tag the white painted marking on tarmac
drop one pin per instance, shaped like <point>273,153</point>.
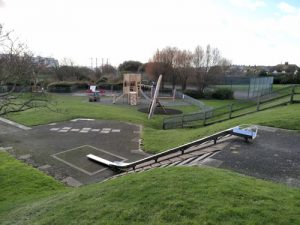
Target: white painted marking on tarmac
<point>115,130</point>
<point>83,131</point>
<point>104,131</point>
<point>82,119</point>
<point>75,130</point>
<point>81,169</point>
<point>63,131</point>
<point>95,130</point>
<point>14,124</point>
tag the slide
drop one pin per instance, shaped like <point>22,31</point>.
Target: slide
<point>145,96</point>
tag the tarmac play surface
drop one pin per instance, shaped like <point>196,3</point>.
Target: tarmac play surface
<point>60,149</point>
<point>274,155</point>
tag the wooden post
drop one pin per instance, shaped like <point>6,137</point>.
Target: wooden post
<point>204,119</point>
<point>258,103</point>
<point>230,113</point>
<point>292,94</point>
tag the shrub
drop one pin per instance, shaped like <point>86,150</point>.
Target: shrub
<point>287,79</point>
<point>223,93</point>
<point>102,80</point>
<point>194,94</point>
<point>66,87</point>
<point>108,86</point>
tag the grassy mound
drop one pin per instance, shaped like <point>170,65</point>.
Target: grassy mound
<point>168,196</point>
<point>20,183</point>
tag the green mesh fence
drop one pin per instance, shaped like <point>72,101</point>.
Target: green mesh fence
<point>246,87</point>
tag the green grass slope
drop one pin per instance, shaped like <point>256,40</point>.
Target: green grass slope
<point>168,196</point>
<point>20,183</point>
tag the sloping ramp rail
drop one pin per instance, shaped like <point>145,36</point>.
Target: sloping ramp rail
<point>245,131</point>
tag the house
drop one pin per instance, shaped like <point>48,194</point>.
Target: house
<point>285,68</point>
<point>46,62</point>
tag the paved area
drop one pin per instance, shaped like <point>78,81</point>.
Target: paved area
<point>274,155</point>
<point>60,149</point>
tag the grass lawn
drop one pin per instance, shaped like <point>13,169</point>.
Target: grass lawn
<point>154,138</point>
<point>186,195</point>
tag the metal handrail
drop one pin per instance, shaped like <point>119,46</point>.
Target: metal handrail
<point>182,148</point>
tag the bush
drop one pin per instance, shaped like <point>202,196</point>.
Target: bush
<point>107,86</point>
<point>222,93</point>
<point>102,80</point>
<point>194,94</point>
<point>287,79</point>
<point>67,87</point>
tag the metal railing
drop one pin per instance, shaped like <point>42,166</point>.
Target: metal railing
<point>181,149</point>
<point>192,101</point>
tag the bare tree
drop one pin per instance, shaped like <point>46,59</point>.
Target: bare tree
<point>183,66</point>
<point>166,57</point>
<point>208,65</point>
<point>16,73</point>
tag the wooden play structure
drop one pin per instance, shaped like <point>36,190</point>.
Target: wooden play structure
<point>132,89</point>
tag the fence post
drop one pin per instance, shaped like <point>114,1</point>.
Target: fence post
<point>182,121</point>
<point>230,112</point>
<point>258,103</point>
<point>292,94</point>
<point>204,120</point>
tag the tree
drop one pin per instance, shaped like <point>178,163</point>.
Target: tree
<point>208,65</point>
<point>108,69</point>
<point>16,73</point>
<point>130,66</point>
<point>154,69</point>
<point>183,66</point>
<point>68,71</point>
<point>167,58</point>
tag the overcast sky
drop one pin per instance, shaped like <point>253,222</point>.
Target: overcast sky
<point>256,32</point>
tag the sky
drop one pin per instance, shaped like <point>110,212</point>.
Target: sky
<point>248,32</point>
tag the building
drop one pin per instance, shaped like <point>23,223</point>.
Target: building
<point>46,62</point>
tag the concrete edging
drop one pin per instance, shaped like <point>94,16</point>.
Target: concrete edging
<point>12,123</point>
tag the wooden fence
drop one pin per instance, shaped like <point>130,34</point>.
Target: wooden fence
<point>283,96</point>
